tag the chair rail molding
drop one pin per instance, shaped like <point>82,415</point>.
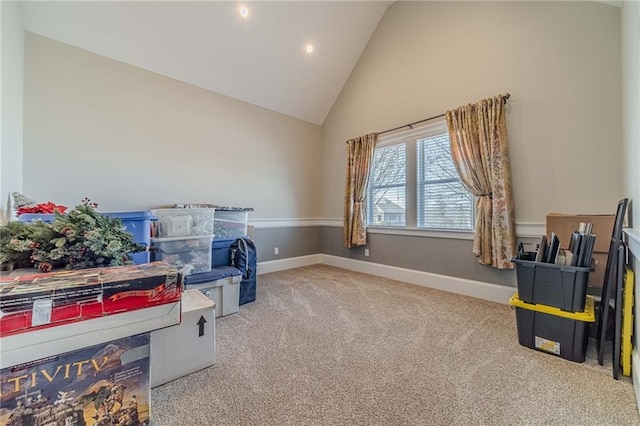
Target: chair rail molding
<point>523,229</point>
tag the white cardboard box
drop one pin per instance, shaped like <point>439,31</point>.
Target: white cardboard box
<point>188,347</point>
<point>38,344</point>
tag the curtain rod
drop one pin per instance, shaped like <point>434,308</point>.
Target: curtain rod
<point>410,125</point>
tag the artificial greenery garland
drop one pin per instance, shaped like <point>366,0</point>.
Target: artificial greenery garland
<point>78,240</point>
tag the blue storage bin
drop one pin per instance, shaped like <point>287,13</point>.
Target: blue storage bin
<point>30,217</point>
<point>138,224</point>
<point>221,252</point>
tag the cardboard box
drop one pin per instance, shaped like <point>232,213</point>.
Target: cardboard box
<point>44,342</point>
<point>188,347</point>
<point>46,300</point>
<point>596,277</point>
<point>101,384</point>
<point>564,225</point>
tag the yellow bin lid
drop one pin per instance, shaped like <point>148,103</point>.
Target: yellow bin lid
<point>589,314</point>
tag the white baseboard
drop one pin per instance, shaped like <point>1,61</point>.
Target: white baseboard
<point>478,289</point>
<point>289,263</point>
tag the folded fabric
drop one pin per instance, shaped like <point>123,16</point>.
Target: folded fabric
<point>20,200</point>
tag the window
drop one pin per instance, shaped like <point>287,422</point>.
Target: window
<point>414,183</point>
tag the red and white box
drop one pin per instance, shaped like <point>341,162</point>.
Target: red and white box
<point>34,302</point>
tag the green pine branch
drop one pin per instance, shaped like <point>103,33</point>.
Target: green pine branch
<point>81,239</point>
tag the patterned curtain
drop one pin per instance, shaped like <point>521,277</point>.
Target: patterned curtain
<point>480,151</point>
<point>359,159</point>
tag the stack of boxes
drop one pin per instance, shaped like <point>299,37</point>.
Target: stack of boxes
<point>553,310</point>
<point>69,334</point>
<point>222,283</point>
<point>198,239</point>
<point>184,238</point>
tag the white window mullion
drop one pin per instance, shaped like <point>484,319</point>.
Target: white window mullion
<point>411,186</point>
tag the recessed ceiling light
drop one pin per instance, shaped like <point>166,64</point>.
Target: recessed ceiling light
<point>244,11</point>
<point>309,48</point>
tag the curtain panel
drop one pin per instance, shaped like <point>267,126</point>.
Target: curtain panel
<point>359,158</point>
<point>480,151</point>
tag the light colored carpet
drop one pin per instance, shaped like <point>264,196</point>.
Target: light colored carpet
<point>326,346</point>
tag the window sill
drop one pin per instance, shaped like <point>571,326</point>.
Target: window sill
<point>415,232</point>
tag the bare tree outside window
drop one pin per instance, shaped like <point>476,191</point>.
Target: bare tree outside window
<point>386,198</point>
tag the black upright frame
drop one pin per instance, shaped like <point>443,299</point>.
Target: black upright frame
<point>610,279</point>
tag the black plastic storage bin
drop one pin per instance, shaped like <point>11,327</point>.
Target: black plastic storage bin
<point>559,286</point>
<point>553,330</point>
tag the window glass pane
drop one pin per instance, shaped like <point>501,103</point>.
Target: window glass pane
<point>443,202</point>
<point>386,197</point>
<point>389,166</point>
<point>388,207</point>
<point>447,206</point>
<point>437,158</point>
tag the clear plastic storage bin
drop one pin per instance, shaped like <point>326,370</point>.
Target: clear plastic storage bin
<point>184,222</point>
<point>230,224</point>
<point>192,253</point>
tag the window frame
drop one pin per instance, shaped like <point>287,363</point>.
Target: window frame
<point>410,139</point>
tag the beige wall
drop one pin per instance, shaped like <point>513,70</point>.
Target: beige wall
<point>130,139</point>
<point>559,60</point>
<point>631,105</point>
<point>12,102</point>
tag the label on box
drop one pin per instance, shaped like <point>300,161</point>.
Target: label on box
<point>547,345</point>
<point>41,312</point>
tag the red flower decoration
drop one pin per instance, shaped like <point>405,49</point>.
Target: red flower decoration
<point>43,208</point>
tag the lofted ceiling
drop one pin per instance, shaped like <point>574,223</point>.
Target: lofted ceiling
<point>260,59</point>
